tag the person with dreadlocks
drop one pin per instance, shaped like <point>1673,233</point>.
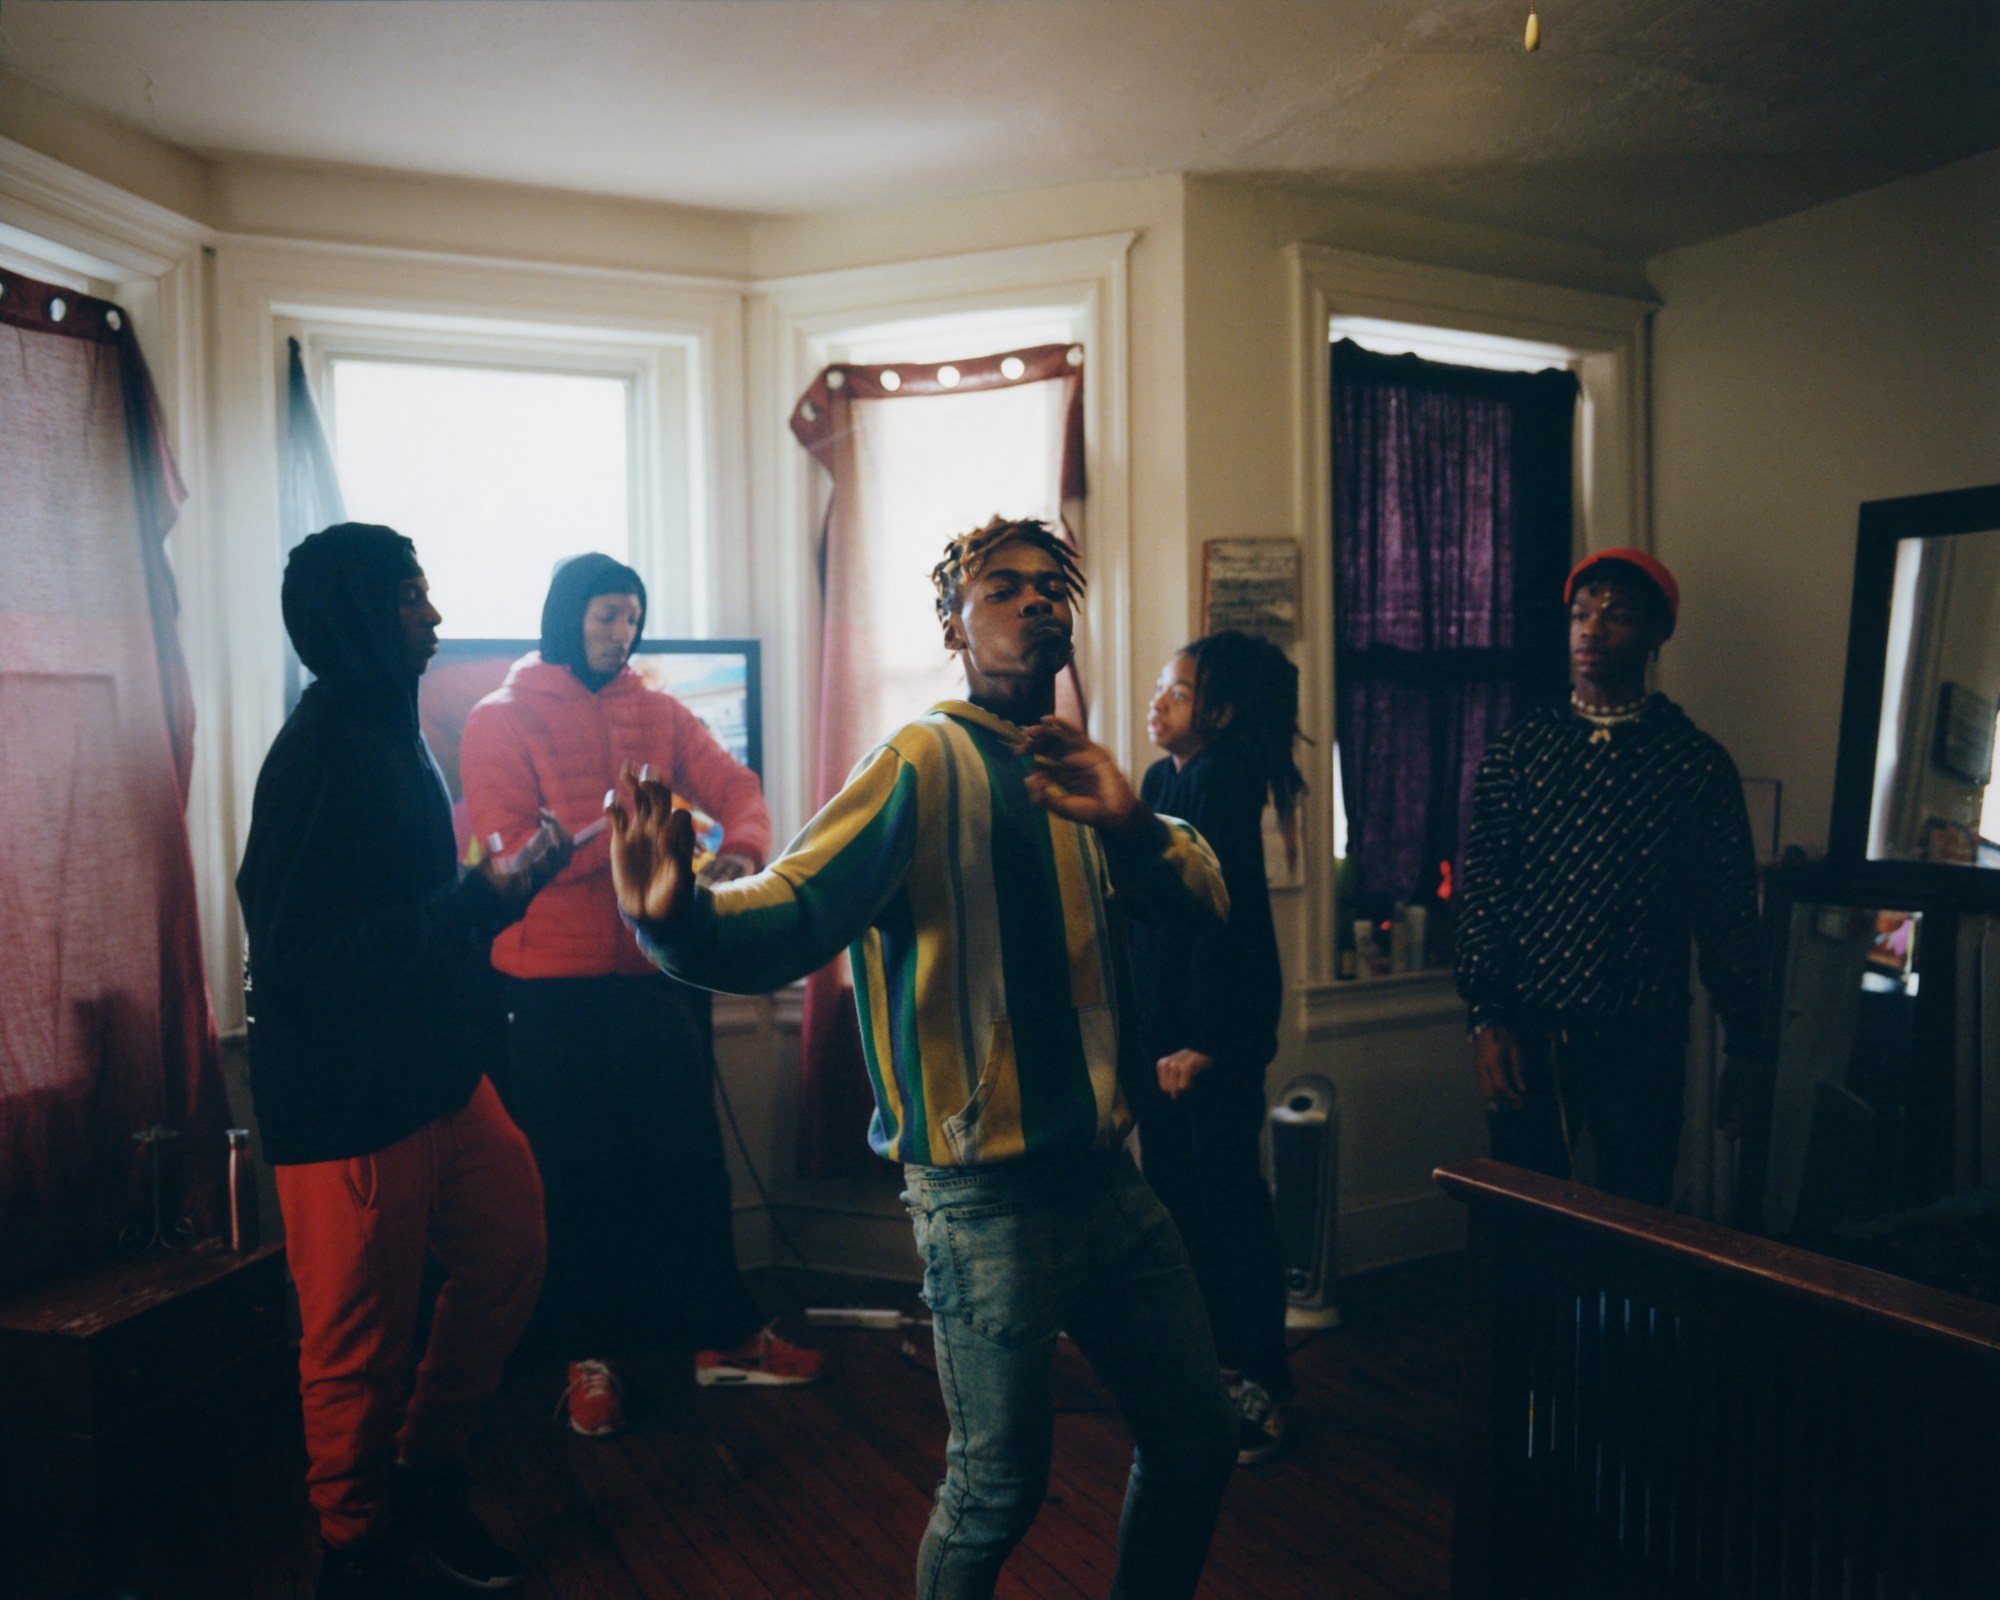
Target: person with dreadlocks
<point>977,866</point>
<point>1225,711</point>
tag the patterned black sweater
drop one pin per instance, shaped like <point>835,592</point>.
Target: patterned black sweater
<point>1589,863</point>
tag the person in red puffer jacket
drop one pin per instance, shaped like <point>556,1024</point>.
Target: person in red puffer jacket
<point>610,1063</point>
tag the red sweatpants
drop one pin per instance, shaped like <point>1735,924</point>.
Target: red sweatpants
<point>462,1188</point>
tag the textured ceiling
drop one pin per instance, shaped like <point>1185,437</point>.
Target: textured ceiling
<point>1639,125</point>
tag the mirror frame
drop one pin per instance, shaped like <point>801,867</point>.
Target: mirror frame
<point>1884,524</point>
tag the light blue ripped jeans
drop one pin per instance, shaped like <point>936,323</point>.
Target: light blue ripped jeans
<point>1014,1254</point>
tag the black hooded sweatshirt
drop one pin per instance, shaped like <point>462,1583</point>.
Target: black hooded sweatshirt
<point>367,986</point>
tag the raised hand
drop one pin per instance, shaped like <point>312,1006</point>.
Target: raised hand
<point>519,877</point>
<point>652,850</point>
<point>1077,780</point>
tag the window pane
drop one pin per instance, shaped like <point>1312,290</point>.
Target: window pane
<point>495,474</point>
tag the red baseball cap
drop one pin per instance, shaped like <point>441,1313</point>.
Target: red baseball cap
<point>1663,580</point>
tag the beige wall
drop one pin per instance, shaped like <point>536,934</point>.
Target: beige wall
<point>1801,368</point>
<point>1395,1053</point>
<point>162,173</point>
<point>492,220</point>
<point>394,210</point>
<point>1849,353</point>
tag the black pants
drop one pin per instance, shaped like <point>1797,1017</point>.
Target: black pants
<point>1202,1158</point>
<point>613,1081</point>
<point>1621,1079</point>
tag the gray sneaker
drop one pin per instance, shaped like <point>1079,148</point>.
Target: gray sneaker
<point>1260,1424</point>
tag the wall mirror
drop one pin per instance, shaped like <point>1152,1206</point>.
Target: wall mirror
<point>1915,801</point>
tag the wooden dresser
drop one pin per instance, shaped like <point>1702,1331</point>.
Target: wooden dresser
<point>139,1366</point>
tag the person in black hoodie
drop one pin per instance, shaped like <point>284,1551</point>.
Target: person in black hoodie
<point>367,961</point>
<point>1226,712</point>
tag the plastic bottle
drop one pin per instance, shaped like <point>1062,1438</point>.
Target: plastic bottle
<point>242,1193</point>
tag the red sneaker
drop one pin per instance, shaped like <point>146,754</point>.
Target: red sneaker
<point>595,1400</point>
<point>765,1361</point>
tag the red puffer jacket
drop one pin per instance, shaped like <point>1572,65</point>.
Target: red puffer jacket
<point>543,739</point>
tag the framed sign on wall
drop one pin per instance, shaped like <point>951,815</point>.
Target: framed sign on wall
<point>1251,585</point>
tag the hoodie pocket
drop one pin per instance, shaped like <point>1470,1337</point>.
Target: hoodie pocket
<point>964,1131</point>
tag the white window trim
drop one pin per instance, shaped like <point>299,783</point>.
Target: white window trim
<point>1608,334</point>
<point>795,323</point>
<point>665,491</point>
<point>262,282</point>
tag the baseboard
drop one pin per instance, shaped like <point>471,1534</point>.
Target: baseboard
<point>878,1245</point>
<point>843,1239</point>
<point>1385,1232</point>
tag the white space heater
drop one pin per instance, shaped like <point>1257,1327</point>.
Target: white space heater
<point>1305,1185</point>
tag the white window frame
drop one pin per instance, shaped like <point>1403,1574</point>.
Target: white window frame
<point>405,298</point>
<point>800,324</point>
<point>664,488</point>
<point>1606,335</point>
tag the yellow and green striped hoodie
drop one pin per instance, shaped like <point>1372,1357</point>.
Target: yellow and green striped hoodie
<point>985,936</point>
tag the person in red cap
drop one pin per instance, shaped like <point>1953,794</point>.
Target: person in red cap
<point>1603,834</point>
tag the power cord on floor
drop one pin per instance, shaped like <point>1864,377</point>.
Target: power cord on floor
<point>756,1177</point>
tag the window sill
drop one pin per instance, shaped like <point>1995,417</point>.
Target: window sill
<point>745,1013</point>
<point>1373,1005</point>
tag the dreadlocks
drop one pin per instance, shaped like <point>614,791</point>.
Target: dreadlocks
<point>1246,701</point>
<point>968,553</point>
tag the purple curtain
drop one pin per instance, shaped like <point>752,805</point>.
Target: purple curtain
<point>1451,539</point>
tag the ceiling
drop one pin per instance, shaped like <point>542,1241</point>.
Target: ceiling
<point>1638,126</point>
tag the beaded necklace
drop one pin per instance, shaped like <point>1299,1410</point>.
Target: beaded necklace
<point>1607,717</point>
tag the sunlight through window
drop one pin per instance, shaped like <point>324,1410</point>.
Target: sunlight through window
<point>495,473</point>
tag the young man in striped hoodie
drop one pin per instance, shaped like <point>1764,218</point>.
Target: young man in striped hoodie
<point>978,866</point>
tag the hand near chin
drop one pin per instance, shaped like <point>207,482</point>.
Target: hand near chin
<point>1077,779</point>
<point>652,850</point>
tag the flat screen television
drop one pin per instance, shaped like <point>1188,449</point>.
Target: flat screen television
<point>719,680</point>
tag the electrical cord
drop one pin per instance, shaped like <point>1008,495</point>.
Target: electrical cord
<point>757,1178</point>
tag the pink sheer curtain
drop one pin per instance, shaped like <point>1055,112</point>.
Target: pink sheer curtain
<point>105,1026</point>
<point>917,453</point>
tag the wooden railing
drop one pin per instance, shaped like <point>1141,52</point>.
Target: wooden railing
<point>1657,1406</point>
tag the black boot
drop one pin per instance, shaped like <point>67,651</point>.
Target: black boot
<point>431,1514</point>
<point>378,1568</point>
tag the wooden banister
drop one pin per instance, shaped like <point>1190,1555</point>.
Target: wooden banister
<point>1658,1406</point>
<point>1839,1287</point>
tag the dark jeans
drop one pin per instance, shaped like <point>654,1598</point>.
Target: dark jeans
<point>1620,1078</point>
<point>1203,1157</point>
<point>1014,1255</point>
<point>613,1082</point>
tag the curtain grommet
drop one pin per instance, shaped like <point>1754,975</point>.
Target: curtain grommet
<point>892,380</point>
<point>1074,355</point>
<point>1012,368</point>
<point>58,309</point>
<point>808,411</point>
<point>113,320</point>
<point>948,376</point>
<point>835,378</point>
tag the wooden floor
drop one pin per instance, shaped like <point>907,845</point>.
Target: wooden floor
<point>824,1491</point>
